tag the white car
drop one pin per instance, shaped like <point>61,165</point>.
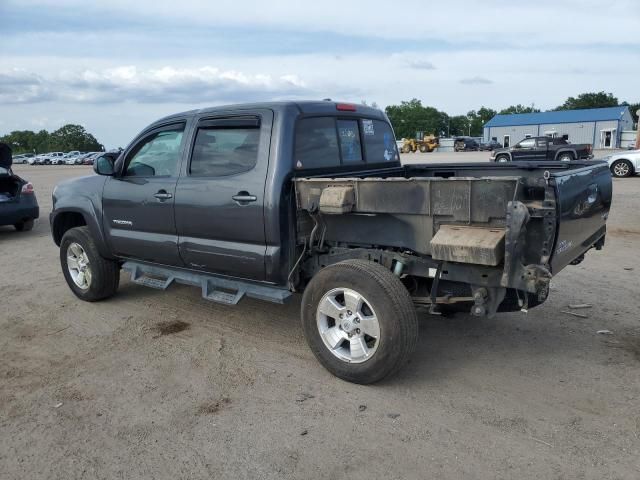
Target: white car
<point>624,164</point>
<point>57,158</point>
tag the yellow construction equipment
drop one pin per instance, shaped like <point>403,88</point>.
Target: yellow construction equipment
<point>428,144</point>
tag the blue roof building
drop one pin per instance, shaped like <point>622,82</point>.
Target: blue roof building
<point>600,127</point>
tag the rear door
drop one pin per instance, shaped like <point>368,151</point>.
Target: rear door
<point>584,198</point>
<point>138,204</point>
<point>543,149</point>
<point>220,195</point>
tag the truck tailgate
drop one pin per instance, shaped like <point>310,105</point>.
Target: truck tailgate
<point>583,199</point>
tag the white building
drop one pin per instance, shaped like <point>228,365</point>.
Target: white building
<point>601,127</point>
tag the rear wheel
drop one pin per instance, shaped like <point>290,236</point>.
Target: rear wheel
<point>24,226</point>
<point>359,321</point>
<point>621,168</point>
<point>424,148</point>
<point>565,157</point>
<point>90,276</point>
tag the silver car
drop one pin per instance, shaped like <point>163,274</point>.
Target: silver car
<point>624,164</point>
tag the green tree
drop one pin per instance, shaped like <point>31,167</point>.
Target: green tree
<point>411,116</point>
<point>589,100</point>
<point>477,119</point>
<point>70,137</point>
<point>74,137</point>
<point>519,109</point>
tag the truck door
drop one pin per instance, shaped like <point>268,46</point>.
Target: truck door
<point>524,150</point>
<point>220,195</point>
<point>138,204</point>
<point>542,150</point>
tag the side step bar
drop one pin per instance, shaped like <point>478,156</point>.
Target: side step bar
<point>214,288</point>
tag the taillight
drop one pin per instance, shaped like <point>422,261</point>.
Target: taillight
<point>27,188</point>
<point>345,107</point>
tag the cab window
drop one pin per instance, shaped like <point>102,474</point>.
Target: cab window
<point>157,155</point>
<point>528,143</point>
<point>316,143</point>
<point>223,151</point>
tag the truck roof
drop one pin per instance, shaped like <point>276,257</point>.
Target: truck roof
<point>303,106</point>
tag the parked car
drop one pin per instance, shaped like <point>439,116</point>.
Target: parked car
<point>18,203</point>
<point>23,158</point>
<point>51,158</point>
<point>490,146</point>
<point>466,144</point>
<point>263,200</point>
<point>89,159</point>
<point>57,158</point>
<point>543,148</point>
<point>624,164</point>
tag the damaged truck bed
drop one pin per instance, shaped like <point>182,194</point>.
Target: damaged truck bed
<point>488,240</point>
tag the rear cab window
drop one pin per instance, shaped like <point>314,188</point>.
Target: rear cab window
<point>330,141</point>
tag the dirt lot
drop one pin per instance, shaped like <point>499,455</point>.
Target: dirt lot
<point>167,385</point>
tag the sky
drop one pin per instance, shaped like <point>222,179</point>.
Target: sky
<point>115,66</point>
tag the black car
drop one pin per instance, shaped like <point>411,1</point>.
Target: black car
<point>466,144</point>
<point>18,204</point>
<point>490,146</point>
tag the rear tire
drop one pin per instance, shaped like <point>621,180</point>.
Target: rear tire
<point>621,168</point>
<point>24,226</point>
<point>565,157</point>
<point>104,274</point>
<point>423,149</point>
<point>383,298</point>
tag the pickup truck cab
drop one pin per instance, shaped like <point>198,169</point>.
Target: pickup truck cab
<point>543,148</point>
<point>264,200</point>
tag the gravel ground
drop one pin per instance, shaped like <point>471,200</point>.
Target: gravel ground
<point>167,385</point>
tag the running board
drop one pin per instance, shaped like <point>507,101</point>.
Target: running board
<point>214,288</point>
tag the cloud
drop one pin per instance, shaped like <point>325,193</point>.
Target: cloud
<point>421,64</point>
<point>20,86</point>
<point>477,80</point>
<point>154,85</point>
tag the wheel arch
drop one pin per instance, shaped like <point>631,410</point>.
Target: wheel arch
<point>65,219</point>
<point>573,153</point>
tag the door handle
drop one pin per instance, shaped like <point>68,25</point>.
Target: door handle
<point>243,198</point>
<point>162,195</point>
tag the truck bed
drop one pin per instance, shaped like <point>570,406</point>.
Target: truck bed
<point>485,225</point>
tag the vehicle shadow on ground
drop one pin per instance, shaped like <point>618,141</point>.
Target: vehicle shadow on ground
<point>446,344</point>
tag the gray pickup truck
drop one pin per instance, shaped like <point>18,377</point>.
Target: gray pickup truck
<point>265,200</point>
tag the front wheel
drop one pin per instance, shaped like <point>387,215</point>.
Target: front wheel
<point>502,158</point>
<point>359,321</point>
<point>621,168</point>
<point>90,276</point>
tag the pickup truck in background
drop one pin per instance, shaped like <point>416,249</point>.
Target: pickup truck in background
<point>543,148</point>
<point>264,200</point>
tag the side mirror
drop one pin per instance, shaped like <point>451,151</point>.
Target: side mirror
<point>104,165</point>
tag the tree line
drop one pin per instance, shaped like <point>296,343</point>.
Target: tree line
<point>65,139</point>
<point>411,116</point>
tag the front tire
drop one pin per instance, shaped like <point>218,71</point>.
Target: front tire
<point>90,276</point>
<point>621,168</point>
<point>359,321</point>
<point>502,158</point>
